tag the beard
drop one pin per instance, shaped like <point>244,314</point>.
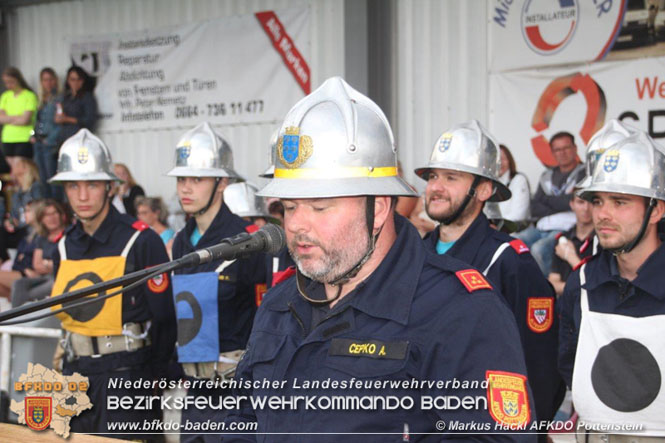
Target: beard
<point>335,258</point>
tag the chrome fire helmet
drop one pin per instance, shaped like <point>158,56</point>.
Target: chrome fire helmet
<point>83,156</point>
<point>335,142</point>
<point>242,200</point>
<point>202,152</point>
<point>469,147</point>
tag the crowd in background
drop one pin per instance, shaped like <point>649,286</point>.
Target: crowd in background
<point>34,125</point>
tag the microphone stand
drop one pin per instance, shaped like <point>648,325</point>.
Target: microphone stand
<point>93,289</point>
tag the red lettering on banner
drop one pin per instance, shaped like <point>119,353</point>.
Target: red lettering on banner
<point>284,45</point>
<point>649,88</point>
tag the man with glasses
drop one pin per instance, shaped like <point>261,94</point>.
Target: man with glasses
<point>550,205</point>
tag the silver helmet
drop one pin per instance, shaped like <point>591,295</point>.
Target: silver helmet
<point>83,156</point>
<point>270,170</point>
<point>242,200</point>
<point>335,142</point>
<point>612,132</point>
<point>202,152</point>
<point>634,165</point>
<point>468,147</point>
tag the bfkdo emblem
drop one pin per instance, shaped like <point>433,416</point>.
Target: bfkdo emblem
<point>38,412</point>
<point>540,313</point>
<point>83,155</point>
<point>507,399</point>
<point>445,141</point>
<point>294,149</point>
<point>611,160</point>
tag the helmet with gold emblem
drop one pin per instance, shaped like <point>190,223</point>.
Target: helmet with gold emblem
<point>84,157</point>
<point>335,142</point>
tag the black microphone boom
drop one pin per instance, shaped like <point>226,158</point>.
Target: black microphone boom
<point>269,239</point>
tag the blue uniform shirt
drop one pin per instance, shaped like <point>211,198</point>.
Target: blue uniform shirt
<point>424,326</point>
<point>237,282</point>
<point>609,293</point>
<point>517,276</point>
<point>152,301</point>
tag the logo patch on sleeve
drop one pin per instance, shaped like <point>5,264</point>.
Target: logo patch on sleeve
<point>540,313</point>
<point>259,292</point>
<point>158,283</point>
<point>351,347</point>
<point>507,398</point>
<point>519,246</point>
<point>472,280</point>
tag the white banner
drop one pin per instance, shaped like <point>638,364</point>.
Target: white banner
<point>528,107</point>
<point>531,33</point>
<point>242,69</point>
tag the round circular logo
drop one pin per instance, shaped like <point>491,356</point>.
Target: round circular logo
<point>549,25</point>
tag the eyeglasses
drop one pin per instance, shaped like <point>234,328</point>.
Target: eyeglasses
<point>565,148</point>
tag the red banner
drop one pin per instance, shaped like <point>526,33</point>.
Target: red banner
<point>284,45</point>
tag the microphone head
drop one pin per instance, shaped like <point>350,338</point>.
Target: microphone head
<point>274,237</point>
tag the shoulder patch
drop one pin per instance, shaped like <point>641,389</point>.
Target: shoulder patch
<point>519,246</point>
<point>507,399</point>
<point>278,277</point>
<point>540,313</point>
<point>472,280</point>
<point>159,283</point>
<point>259,292</point>
<point>251,228</point>
<point>140,226</point>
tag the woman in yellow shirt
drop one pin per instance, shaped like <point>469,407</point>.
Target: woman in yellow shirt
<point>18,106</point>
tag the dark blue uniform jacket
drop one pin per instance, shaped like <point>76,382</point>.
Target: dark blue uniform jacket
<point>610,293</point>
<point>138,305</point>
<point>237,282</point>
<point>424,324</point>
<point>517,277</point>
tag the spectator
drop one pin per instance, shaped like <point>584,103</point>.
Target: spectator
<point>515,209</point>
<point>78,108</point>
<point>572,246</point>
<point>22,266</point>
<point>127,192</point>
<point>152,211</point>
<point>45,140</point>
<point>551,203</point>
<point>18,105</point>
<point>15,226</point>
<point>51,219</point>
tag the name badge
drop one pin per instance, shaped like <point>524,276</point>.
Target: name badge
<point>395,350</point>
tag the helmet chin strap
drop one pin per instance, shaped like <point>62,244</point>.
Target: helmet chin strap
<point>634,242</point>
<point>210,200</point>
<point>469,195</point>
<point>353,271</point>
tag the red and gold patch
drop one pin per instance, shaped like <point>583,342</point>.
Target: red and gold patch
<point>519,246</point>
<point>38,412</point>
<point>540,313</point>
<point>158,283</point>
<point>472,280</point>
<point>507,399</point>
<point>259,292</point>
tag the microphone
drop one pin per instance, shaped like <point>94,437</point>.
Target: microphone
<point>270,239</point>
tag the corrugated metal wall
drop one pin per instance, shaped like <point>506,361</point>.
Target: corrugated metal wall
<point>441,65</point>
<point>37,39</point>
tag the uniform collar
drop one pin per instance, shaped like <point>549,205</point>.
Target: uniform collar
<point>388,292</point>
<point>649,275</point>
<point>467,246</point>
<point>210,236</point>
<point>103,232</point>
